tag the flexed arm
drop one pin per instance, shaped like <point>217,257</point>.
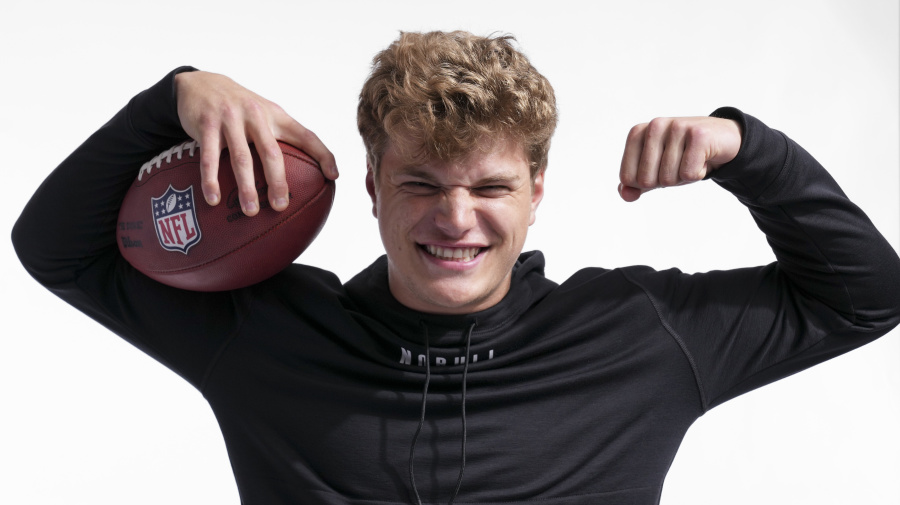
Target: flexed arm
<point>835,286</point>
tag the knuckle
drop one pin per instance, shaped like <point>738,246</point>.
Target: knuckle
<point>636,132</point>
<point>646,180</point>
<point>699,134</point>
<point>657,127</point>
<point>678,127</point>
<point>228,112</point>
<point>252,105</point>
<point>208,170</point>
<point>270,152</point>
<point>278,187</point>
<point>241,159</point>
<point>208,185</point>
<point>691,173</point>
<point>208,178</point>
<point>668,179</point>
<point>247,192</point>
<point>207,122</point>
<point>254,111</point>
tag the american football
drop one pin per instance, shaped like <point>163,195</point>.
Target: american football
<point>168,231</point>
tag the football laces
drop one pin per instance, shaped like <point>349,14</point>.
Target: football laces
<point>166,155</point>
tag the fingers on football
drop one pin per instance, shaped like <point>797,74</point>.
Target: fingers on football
<point>295,134</point>
<point>242,165</point>
<point>210,149</point>
<point>273,167</point>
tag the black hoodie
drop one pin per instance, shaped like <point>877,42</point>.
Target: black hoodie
<point>573,393</point>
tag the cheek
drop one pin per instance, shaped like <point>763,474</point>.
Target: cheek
<point>397,223</point>
<point>509,219</point>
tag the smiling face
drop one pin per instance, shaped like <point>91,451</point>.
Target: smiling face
<point>453,230</point>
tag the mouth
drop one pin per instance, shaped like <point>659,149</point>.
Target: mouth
<point>458,254</point>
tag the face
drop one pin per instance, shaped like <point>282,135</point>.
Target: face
<point>453,230</point>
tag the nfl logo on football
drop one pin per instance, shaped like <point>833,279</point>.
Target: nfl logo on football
<point>176,220</point>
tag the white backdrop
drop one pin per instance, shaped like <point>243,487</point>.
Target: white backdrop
<point>88,419</point>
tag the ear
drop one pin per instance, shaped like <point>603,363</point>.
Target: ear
<point>537,194</point>
<point>370,187</point>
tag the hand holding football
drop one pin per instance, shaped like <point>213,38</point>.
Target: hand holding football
<point>167,231</point>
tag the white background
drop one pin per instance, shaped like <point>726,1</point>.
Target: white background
<point>85,418</point>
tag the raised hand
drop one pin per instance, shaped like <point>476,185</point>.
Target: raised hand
<point>674,151</point>
<point>220,113</point>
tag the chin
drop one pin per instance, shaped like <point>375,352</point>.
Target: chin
<point>445,292</point>
<point>454,299</point>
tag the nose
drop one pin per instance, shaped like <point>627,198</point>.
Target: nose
<point>456,212</point>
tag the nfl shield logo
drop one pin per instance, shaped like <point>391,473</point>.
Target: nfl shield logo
<point>176,220</point>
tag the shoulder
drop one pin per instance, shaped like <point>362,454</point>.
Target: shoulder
<point>303,280</point>
<point>602,289</point>
<point>667,290</point>
<point>299,289</point>
<point>631,277</point>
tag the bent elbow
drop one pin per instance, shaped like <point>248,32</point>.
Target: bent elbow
<point>34,252</point>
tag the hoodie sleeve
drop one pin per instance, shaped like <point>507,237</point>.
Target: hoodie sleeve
<point>65,238</point>
<point>835,285</point>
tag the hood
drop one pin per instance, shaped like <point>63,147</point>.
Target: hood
<point>452,341</point>
<point>382,314</point>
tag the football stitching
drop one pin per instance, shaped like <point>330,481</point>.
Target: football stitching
<point>167,154</point>
<point>157,160</point>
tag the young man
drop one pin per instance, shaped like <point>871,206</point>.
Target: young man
<point>451,369</point>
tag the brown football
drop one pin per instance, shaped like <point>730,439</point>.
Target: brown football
<point>168,231</point>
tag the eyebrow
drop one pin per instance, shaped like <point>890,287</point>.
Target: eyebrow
<point>502,178</point>
<point>414,171</point>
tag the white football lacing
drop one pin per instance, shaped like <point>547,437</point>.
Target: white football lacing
<point>167,156</point>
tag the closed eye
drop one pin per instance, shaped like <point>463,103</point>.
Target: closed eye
<point>419,187</point>
<point>493,191</point>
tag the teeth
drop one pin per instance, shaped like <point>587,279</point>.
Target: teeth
<point>462,254</point>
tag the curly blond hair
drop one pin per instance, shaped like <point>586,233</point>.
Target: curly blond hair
<point>443,95</point>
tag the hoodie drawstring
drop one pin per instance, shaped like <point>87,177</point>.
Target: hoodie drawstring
<point>412,449</point>
<point>462,465</point>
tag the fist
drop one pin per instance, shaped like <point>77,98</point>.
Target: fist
<point>675,151</point>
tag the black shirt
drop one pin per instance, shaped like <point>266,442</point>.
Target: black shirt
<point>578,392</point>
